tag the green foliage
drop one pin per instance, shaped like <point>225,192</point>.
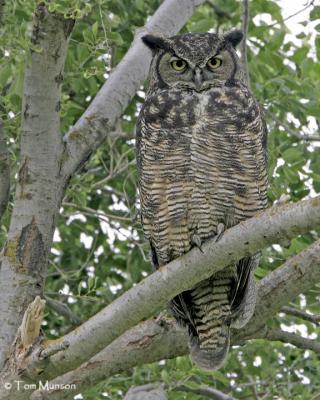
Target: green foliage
<point>99,250</point>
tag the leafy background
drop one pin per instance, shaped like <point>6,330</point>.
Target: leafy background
<point>99,251</point>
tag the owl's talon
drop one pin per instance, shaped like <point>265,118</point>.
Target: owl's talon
<point>162,318</point>
<point>196,240</point>
<point>220,231</point>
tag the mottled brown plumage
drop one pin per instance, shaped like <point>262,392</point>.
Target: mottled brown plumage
<point>201,150</point>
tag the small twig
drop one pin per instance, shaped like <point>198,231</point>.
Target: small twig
<point>249,384</point>
<point>117,171</point>
<point>302,136</point>
<point>99,214</point>
<point>307,138</point>
<point>121,135</point>
<point>245,24</point>
<point>290,16</point>
<point>63,309</point>
<point>253,387</point>
<point>301,314</point>
<point>292,338</point>
<point>205,391</point>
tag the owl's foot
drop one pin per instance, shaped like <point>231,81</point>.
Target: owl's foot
<point>196,240</point>
<point>163,318</point>
<point>220,230</point>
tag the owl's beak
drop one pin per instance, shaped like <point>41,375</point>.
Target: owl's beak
<point>197,78</point>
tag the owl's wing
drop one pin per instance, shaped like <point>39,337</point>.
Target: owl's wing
<point>264,132</point>
<point>243,291</point>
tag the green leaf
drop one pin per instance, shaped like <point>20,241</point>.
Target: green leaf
<point>5,73</point>
<point>91,283</point>
<point>300,54</point>
<point>165,377</point>
<point>315,13</point>
<point>79,288</point>
<point>140,4</point>
<point>291,176</point>
<point>292,155</point>
<point>95,29</point>
<point>115,37</point>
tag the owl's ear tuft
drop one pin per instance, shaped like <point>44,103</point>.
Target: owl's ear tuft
<point>155,42</point>
<point>234,37</point>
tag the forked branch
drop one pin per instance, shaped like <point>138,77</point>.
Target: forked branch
<point>154,340</point>
<point>142,300</point>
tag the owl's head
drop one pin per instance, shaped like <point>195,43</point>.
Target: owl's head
<point>194,61</point>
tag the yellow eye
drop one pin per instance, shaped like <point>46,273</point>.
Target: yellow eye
<point>214,63</point>
<point>178,65</point>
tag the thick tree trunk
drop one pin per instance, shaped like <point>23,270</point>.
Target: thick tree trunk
<point>38,192</point>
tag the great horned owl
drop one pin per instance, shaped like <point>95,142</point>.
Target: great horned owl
<point>201,151</point>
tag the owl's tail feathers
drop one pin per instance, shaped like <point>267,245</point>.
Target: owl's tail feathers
<point>211,358</point>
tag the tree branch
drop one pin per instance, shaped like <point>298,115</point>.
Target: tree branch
<point>154,340</point>
<point>302,136</point>
<point>315,319</point>
<point>149,341</point>
<point>4,171</point>
<point>102,114</point>
<point>292,338</point>
<point>245,25</point>
<point>142,300</point>
<point>38,189</point>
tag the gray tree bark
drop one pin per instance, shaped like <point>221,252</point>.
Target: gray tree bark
<point>38,189</point>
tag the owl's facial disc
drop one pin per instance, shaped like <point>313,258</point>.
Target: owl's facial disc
<point>198,69</point>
